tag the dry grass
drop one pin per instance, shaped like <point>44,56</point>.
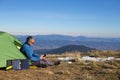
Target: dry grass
<point>100,53</point>
<point>79,70</point>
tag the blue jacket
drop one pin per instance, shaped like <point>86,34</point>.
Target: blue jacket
<point>27,50</point>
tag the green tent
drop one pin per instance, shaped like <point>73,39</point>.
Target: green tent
<point>9,49</point>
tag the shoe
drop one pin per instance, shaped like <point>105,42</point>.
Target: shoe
<point>57,63</point>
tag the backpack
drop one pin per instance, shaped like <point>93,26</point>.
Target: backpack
<point>17,64</point>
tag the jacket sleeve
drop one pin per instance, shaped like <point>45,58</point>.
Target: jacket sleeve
<point>36,55</point>
<point>30,54</point>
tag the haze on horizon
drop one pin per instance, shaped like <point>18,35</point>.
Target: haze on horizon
<point>94,18</point>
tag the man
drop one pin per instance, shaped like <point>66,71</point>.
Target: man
<point>38,60</point>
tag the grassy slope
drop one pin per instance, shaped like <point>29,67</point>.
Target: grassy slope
<point>79,70</point>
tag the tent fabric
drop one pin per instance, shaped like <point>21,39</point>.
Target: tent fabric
<point>9,49</point>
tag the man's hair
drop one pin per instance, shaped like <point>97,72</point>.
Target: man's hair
<point>28,38</point>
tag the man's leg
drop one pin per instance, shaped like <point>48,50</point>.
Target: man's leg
<point>48,63</point>
<point>43,63</point>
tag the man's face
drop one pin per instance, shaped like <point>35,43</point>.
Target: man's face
<point>31,42</point>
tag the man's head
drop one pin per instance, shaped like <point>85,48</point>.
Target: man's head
<point>30,40</point>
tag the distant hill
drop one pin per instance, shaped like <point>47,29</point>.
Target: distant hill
<point>57,41</point>
<point>69,48</point>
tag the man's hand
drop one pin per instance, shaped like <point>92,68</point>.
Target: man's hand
<point>42,57</point>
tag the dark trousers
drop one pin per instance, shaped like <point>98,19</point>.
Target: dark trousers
<point>42,63</point>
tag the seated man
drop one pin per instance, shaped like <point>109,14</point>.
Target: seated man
<point>37,60</point>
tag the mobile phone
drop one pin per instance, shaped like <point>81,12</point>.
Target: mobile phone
<point>44,55</point>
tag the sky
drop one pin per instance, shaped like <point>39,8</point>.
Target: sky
<point>93,18</point>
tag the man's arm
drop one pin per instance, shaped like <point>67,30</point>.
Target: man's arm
<point>36,55</point>
<point>30,54</point>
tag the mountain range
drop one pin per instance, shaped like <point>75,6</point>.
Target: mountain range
<point>68,48</point>
<point>56,41</point>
